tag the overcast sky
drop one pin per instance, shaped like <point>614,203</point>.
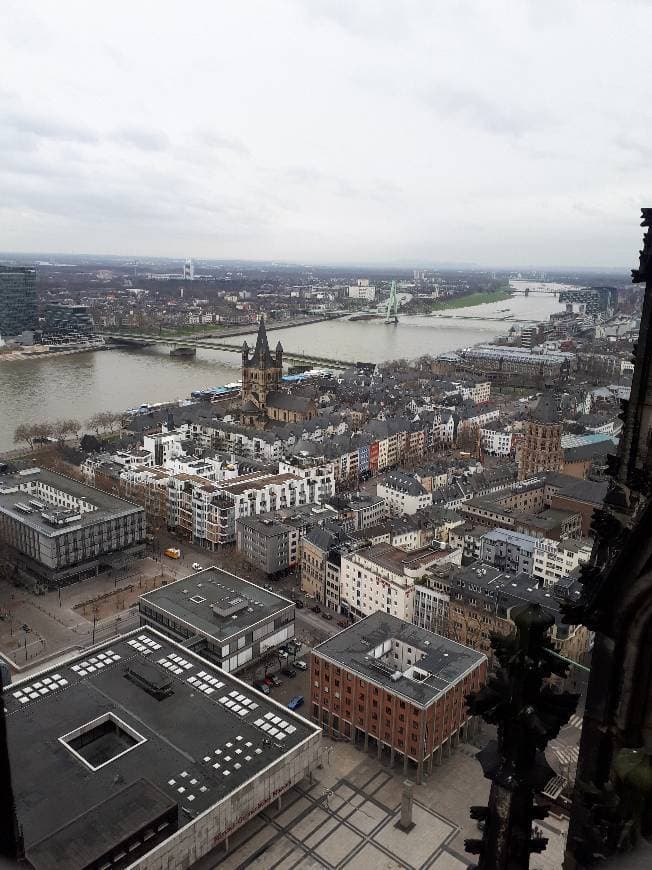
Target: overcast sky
<point>493,132</point>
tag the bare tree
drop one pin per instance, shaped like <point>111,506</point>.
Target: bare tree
<point>24,432</point>
<point>59,430</point>
<point>95,423</point>
<point>74,427</point>
<point>115,420</point>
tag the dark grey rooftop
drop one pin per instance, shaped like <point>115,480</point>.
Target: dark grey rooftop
<point>443,662</point>
<point>22,489</point>
<point>243,602</point>
<point>590,491</point>
<point>263,525</point>
<point>211,723</point>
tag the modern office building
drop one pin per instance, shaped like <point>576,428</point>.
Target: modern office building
<point>64,324</point>
<point>267,543</point>
<point>220,616</point>
<point>385,682</point>
<point>513,552</point>
<point>61,530</point>
<point>18,312</point>
<point>138,753</point>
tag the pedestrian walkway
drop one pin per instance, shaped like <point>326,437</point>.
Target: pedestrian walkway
<point>346,820</point>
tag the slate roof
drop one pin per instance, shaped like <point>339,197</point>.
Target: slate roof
<point>285,401</point>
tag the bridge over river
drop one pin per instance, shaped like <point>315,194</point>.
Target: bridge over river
<point>138,340</point>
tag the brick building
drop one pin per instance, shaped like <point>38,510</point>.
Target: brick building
<point>541,447</point>
<point>385,682</point>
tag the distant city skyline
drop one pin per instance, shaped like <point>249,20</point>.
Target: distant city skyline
<point>362,134</point>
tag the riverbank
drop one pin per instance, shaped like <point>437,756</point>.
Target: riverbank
<point>42,352</point>
<point>214,330</point>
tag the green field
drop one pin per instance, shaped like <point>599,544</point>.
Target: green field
<point>471,299</point>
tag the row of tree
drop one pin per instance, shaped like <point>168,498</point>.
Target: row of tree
<point>60,430</point>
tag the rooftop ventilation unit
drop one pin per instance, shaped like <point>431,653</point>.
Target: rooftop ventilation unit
<point>60,516</point>
<point>230,607</point>
<point>396,676</point>
<point>150,679</point>
<point>23,508</point>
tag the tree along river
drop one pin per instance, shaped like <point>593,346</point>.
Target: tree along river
<point>78,385</point>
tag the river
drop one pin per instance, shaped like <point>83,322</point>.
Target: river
<point>79,385</point>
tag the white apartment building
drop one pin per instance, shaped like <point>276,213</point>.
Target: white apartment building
<point>497,442</point>
<point>478,419</point>
<point>382,577</point>
<point>403,494</point>
<point>509,551</point>
<point>362,289</point>
<point>321,478</point>
<point>163,446</point>
<point>480,392</point>
<point>554,560</point>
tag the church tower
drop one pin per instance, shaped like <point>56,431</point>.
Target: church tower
<point>261,375</point>
<point>541,449</point>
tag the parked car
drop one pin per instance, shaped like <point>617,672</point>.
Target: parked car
<point>342,623</point>
<point>299,604</point>
<point>196,566</point>
<point>283,654</point>
<point>316,608</point>
<point>326,615</point>
<point>295,702</point>
<point>275,680</point>
<point>261,686</point>
<point>289,672</point>
<point>301,665</point>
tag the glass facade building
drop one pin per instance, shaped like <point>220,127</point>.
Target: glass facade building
<point>67,323</point>
<point>18,312</point>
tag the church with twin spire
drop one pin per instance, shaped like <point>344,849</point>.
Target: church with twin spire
<point>262,397</point>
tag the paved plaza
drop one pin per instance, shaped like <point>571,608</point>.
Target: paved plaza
<point>347,818</point>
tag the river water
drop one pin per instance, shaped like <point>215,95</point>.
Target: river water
<point>79,385</point>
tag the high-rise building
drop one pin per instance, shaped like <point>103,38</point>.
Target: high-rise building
<point>189,270</point>
<point>17,301</point>
<point>66,323</point>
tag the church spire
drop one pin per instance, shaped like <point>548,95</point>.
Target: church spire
<point>528,712</point>
<point>262,356</point>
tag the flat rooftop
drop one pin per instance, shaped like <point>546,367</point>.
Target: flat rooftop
<point>202,740</point>
<point>28,495</point>
<point>359,649</point>
<point>195,599</point>
<point>397,560</point>
<point>247,482</point>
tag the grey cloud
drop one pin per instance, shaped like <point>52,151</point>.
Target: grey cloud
<point>312,176</point>
<point>220,142</point>
<point>139,137</point>
<point>380,18</point>
<point>496,116</point>
<point>44,127</point>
